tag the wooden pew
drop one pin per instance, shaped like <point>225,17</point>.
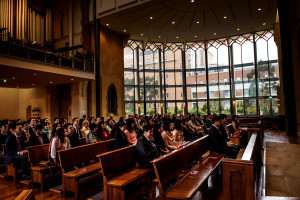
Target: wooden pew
<point>37,154</point>
<point>120,172</point>
<point>239,176</point>
<point>11,169</point>
<point>172,183</point>
<point>81,141</point>
<point>26,195</point>
<point>71,179</point>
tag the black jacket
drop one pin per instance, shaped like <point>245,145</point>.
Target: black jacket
<point>73,139</point>
<point>12,148</point>
<point>216,140</point>
<point>146,152</point>
<point>33,140</point>
<point>120,139</point>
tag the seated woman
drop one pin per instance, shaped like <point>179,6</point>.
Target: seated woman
<point>177,132</point>
<point>55,128</point>
<point>158,140</point>
<point>167,136</point>
<point>236,126</point>
<point>58,142</point>
<point>92,136</point>
<point>130,132</point>
<point>103,132</point>
<point>119,136</point>
<point>85,128</point>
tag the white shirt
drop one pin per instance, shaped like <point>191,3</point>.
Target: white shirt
<point>64,146</point>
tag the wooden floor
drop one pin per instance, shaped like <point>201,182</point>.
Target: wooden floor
<point>9,190</point>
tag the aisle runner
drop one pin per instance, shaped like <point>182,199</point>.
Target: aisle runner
<point>282,169</point>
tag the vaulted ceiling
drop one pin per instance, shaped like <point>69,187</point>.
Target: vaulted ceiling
<point>190,20</point>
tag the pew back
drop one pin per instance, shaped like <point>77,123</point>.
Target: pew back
<point>38,153</point>
<point>239,176</point>
<point>77,155</point>
<point>117,161</point>
<point>172,165</point>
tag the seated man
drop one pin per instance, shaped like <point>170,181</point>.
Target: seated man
<point>15,150</point>
<point>146,150</point>
<point>38,138</point>
<point>218,142</point>
<point>73,137</point>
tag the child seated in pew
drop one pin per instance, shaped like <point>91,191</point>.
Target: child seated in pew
<point>146,149</point>
<point>58,142</point>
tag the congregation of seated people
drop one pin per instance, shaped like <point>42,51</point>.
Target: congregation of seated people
<point>153,135</point>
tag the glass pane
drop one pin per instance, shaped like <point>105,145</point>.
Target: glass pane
<point>142,109</point>
<point>192,107</point>
<point>225,107</point>
<point>129,108</point>
<point>213,73</point>
<point>264,106</point>
<point>275,106</point>
<point>214,107</point>
<point>150,108</point>
<point>248,69</point>
<point>202,108</point>
<point>250,107</point>
<point>179,108</point>
<point>238,70</point>
<point>239,106</point>
<point>170,108</point>
<point>129,93</point>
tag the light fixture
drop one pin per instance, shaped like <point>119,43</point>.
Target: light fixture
<point>13,78</point>
<point>159,36</point>
<point>177,37</point>
<point>215,33</point>
<point>142,34</point>
<point>192,1</point>
<point>238,29</point>
<point>195,35</point>
<point>33,84</point>
<point>264,23</point>
<point>198,22</point>
<point>107,24</point>
<point>51,82</point>
<point>72,79</point>
<point>124,30</point>
<point>225,17</point>
<point>173,22</point>
<point>259,9</point>
<point>34,74</point>
<point>151,17</point>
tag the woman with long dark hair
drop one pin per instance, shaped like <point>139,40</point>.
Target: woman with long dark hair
<point>58,142</point>
<point>130,131</point>
<point>177,132</point>
<point>167,136</point>
<point>158,140</point>
<point>102,132</point>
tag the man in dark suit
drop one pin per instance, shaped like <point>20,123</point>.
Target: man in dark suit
<point>32,123</point>
<point>146,150</point>
<point>76,127</point>
<point>218,142</point>
<point>38,138</point>
<point>140,131</point>
<point>208,121</point>
<point>15,150</point>
<point>3,134</point>
<point>73,137</point>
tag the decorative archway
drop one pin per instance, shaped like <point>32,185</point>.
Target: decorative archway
<point>112,100</point>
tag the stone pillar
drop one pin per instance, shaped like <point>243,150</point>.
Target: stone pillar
<point>79,99</point>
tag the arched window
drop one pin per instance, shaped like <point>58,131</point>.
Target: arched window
<point>112,100</point>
